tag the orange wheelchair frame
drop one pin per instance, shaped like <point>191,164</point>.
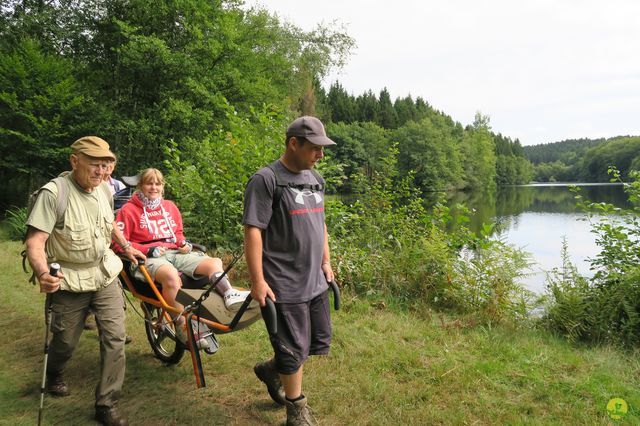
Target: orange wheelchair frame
<point>160,326</point>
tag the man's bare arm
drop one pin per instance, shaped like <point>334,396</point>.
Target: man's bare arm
<point>128,250</point>
<point>253,253</point>
<point>37,256</point>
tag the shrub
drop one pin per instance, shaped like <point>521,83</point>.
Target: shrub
<point>605,308</point>
<point>486,283</point>
<point>17,223</point>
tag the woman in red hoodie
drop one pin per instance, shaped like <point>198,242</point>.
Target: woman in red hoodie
<point>153,225</point>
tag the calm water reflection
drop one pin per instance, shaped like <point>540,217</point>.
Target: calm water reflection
<point>537,217</point>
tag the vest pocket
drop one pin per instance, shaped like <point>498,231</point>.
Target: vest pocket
<point>80,280</point>
<point>78,237</point>
<point>110,267</point>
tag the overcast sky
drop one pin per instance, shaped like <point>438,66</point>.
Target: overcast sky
<point>542,70</point>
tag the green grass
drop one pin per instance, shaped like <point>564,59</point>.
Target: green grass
<point>385,367</point>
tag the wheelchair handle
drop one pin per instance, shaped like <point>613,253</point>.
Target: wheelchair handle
<point>336,294</point>
<point>269,316</point>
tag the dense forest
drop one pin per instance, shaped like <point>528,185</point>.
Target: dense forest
<point>191,85</point>
<point>585,160</point>
<point>153,78</point>
<point>441,153</point>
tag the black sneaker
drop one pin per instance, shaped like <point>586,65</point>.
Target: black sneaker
<point>266,372</point>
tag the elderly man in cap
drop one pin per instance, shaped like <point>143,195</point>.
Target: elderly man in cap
<point>88,279</point>
<point>287,251</point>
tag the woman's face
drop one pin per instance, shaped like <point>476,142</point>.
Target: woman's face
<point>152,189</point>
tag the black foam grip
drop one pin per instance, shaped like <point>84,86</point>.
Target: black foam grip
<point>336,294</point>
<point>269,316</point>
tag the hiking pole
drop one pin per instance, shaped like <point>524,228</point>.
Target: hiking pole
<point>53,271</point>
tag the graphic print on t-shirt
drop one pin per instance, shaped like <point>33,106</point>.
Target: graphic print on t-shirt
<point>299,198</point>
<point>305,193</point>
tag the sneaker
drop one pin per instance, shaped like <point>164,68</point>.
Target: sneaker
<point>199,334</point>
<point>205,337</point>
<point>234,299</point>
<point>56,386</point>
<point>299,413</point>
<point>266,372</point>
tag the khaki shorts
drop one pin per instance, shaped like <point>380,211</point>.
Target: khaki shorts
<point>185,263</point>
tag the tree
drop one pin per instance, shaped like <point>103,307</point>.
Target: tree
<point>342,105</point>
<point>405,110</point>
<point>478,152</point>
<point>43,108</point>
<point>429,149</point>
<point>361,148</point>
<point>388,117</point>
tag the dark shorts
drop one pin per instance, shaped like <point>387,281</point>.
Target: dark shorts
<point>303,329</point>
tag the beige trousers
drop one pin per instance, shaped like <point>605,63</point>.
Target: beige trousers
<point>67,321</point>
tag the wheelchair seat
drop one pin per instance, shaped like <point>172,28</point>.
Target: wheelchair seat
<point>144,289</point>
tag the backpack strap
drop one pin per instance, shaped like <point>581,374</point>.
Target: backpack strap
<point>62,201</point>
<point>282,183</point>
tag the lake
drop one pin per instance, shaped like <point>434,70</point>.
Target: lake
<point>536,217</point>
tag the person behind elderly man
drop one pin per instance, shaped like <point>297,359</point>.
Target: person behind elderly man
<point>88,278</point>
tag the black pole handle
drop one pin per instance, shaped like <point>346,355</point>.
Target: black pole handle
<point>336,294</point>
<point>269,316</point>
<point>53,269</point>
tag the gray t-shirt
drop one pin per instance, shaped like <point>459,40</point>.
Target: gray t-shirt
<point>292,233</point>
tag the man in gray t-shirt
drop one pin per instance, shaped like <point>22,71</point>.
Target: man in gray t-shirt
<point>287,251</point>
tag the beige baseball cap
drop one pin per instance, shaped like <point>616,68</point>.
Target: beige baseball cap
<point>92,146</point>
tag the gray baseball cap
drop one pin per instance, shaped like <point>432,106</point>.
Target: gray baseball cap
<point>311,129</point>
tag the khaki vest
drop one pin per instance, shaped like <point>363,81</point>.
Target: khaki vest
<point>81,246</point>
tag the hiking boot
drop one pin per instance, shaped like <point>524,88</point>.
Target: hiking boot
<point>266,372</point>
<point>56,386</point>
<point>110,416</point>
<point>299,413</point>
<point>234,299</point>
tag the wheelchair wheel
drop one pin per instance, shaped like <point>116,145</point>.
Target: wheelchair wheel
<point>161,335</point>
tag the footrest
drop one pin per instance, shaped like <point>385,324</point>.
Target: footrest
<point>213,308</point>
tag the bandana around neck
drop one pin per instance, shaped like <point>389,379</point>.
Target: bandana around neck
<point>150,204</point>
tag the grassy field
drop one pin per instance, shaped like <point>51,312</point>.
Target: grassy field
<point>386,367</point>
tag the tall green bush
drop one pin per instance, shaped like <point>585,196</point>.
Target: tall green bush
<point>606,307</point>
<point>207,178</point>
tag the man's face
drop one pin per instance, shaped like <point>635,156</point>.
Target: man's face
<point>307,154</point>
<point>88,171</point>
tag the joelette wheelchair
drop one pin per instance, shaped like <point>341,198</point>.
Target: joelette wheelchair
<point>204,310</point>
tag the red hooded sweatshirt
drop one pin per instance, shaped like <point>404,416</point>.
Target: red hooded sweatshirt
<point>148,228</point>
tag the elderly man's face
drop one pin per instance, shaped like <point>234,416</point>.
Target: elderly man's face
<point>89,171</point>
